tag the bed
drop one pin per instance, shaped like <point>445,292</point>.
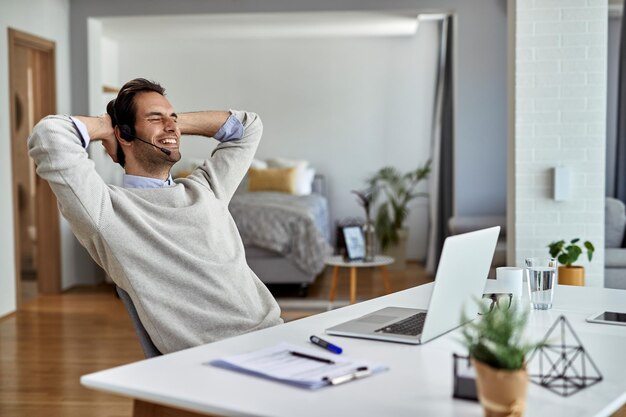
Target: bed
<point>286,236</point>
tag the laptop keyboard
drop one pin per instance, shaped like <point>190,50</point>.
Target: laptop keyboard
<point>411,326</point>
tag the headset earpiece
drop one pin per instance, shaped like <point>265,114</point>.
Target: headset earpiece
<point>126,133</point>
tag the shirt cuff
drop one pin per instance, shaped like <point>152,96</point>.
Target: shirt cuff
<point>82,131</point>
<point>232,129</point>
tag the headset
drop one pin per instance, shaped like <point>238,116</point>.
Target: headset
<point>126,134</point>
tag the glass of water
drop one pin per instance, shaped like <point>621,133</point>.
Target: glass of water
<point>541,276</point>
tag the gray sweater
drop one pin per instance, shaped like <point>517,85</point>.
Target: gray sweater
<point>175,250</point>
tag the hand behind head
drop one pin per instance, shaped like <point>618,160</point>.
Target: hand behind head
<point>108,136</point>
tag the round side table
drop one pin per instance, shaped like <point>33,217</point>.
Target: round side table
<point>337,262</point>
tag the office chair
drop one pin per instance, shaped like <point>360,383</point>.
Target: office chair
<point>149,350</point>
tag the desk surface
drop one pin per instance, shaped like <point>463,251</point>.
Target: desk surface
<point>418,382</point>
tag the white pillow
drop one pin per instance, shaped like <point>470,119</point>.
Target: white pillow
<point>258,164</point>
<point>287,163</point>
<point>304,181</point>
<point>304,174</point>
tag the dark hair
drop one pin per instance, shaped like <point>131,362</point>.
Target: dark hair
<point>123,109</point>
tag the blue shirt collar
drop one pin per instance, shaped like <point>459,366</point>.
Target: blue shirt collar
<point>135,181</point>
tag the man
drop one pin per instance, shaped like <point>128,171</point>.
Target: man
<point>171,244</point>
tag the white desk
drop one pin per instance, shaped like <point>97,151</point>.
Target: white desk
<point>418,382</point>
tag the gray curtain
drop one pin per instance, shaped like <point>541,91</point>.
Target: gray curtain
<point>441,180</point>
<point>620,162</point>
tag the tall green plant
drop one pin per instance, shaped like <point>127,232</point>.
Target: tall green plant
<point>398,190</point>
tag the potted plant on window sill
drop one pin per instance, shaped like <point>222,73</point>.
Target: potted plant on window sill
<point>398,190</point>
<point>567,254</point>
<point>498,352</point>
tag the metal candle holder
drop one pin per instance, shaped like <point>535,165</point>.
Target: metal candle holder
<point>564,368</point>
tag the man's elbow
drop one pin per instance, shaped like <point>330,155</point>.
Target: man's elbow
<point>253,124</point>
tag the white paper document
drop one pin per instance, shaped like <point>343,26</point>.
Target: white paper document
<point>300,366</point>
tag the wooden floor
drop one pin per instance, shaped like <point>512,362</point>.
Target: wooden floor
<point>53,340</point>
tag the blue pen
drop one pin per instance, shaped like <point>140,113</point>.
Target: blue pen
<point>326,345</point>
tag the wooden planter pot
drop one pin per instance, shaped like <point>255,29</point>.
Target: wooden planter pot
<point>501,392</point>
<point>572,275</point>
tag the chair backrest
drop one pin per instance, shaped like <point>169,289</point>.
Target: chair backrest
<point>614,222</point>
<point>149,350</point>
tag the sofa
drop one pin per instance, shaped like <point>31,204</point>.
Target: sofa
<point>614,244</point>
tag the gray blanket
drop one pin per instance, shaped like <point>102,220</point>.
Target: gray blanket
<point>297,227</point>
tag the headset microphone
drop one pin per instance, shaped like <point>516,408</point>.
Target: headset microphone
<point>125,133</point>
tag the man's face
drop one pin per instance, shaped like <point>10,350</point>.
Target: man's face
<point>155,122</point>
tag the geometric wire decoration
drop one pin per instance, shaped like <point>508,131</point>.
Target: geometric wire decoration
<point>563,367</point>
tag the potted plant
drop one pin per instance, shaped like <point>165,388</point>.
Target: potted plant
<point>567,254</point>
<point>365,200</point>
<point>398,190</point>
<point>498,352</point>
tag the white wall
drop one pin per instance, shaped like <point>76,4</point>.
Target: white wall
<point>480,80</point>
<point>348,105</point>
<point>560,119</point>
<point>103,70</point>
<point>48,19</point>
<point>481,94</point>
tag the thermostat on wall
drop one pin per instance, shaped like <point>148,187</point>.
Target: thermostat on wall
<point>561,183</point>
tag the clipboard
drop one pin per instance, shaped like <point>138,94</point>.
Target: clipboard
<point>361,372</point>
<point>299,366</point>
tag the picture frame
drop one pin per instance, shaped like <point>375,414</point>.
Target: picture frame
<point>355,242</point>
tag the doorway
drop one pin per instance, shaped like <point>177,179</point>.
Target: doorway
<point>36,219</point>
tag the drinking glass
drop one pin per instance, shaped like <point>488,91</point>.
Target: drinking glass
<point>541,276</point>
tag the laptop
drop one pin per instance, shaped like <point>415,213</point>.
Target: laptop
<point>461,276</point>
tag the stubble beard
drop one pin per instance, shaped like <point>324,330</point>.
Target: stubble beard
<point>155,161</point>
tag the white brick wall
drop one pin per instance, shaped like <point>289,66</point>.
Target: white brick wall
<point>559,119</point>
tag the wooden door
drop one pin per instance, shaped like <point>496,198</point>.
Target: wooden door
<point>36,218</point>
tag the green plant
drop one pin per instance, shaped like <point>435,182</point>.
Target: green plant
<point>365,199</point>
<point>569,254</point>
<point>399,190</point>
<point>496,339</point>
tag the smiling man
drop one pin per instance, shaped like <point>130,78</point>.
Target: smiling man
<point>172,245</point>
